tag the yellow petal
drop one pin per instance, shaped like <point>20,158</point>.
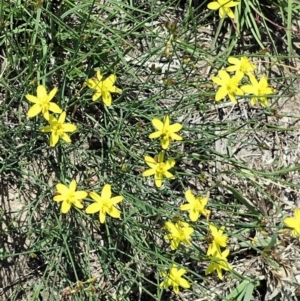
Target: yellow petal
<point>99,76</point>
<point>65,207</point>
<point>106,97</point>
<point>157,124</point>
<point>72,187</point>
<point>52,94</point>
<point>148,172</point>
<point>46,129</point>
<point>95,196</point>
<point>65,137</point>
<point>62,189</point>
<point>185,207</point>
<point>53,139</point>
<point>62,117</point>
<point>69,127</point>
<point>58,198</point>
<point>175,127</point>
<point>102,217</point>
<point>189,196</point>
<point>106,192</point>
<point>109,82</point>
<point>41,91</point>
<point>97,95</point>
<point>53,107</point>
<point>165,142</point>
<point>114,212</point>
<point>32,98</point>
<point>155,135</point>
<point>91,83</point>
<point>78,204</point>
<point>80,195</point>
<point>116,199</point>
<point>213,5</point>
<point>92,208</point>
<point>34,110</point>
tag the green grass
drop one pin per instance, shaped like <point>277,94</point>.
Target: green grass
<point>62,46</point>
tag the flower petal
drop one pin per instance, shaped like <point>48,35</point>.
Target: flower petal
<point>148,172</point>
<point>114,212</point>
<point>106,97</point>
<point>106,192</point>
<point>62,189</point>
<point>52,94</point>
<point>65,207</point>
<point>213,5</point>
<point>53,139</point>
<point>41,91</point>
<point>53,107</point>
<point>34,110</point>
<point>157,124</point>
<point>69,127</point>
<point>92,208</point>
<point>32,98</point>
<point>72,187</point>
<point>79,195</point>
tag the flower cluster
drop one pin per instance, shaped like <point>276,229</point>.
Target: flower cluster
<point>43,104</point>
<point>68,196</point>
<point>166,132</point>
<point>230,85</point>
<point>104,203</point>
<point>218,259</point>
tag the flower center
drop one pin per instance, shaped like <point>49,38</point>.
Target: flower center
<point>58,128</point>
<point>161,168</point>
<point>71,197</point>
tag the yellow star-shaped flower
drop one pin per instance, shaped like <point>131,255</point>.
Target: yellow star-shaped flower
<point>104,204</point>
<point>69,196</point>
<point>166,131</point>
<point>219,263</point>
<point>159,168</point>
<point>242,65</point>
<point>259,90</point>
<point>229,86</point>
<point>196,205</point>
<point>58,129</point>
<point>179,232</point>
<point>42,103</point>
<point>103,88</point>
<point>174,278</point>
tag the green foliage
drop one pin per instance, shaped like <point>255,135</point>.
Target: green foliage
<point>164,56</point>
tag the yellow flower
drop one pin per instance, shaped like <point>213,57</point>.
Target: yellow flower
<point>229,86</point>
<point>196,205</point>
<point>174,278</point>
<point>42,103</point>
<point>219,263</point>
<point>259,89</point>
<point>58,129</point>
<point>104,204</point>
<point>159,168</point>
<point>179,232</point>
<point>165,131</point>
<point>294,223</point>
<point>224,7</point>
<point>218,240</point>
<point>242,65</point>
<point>69,196</point>
<point>103,87</point>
